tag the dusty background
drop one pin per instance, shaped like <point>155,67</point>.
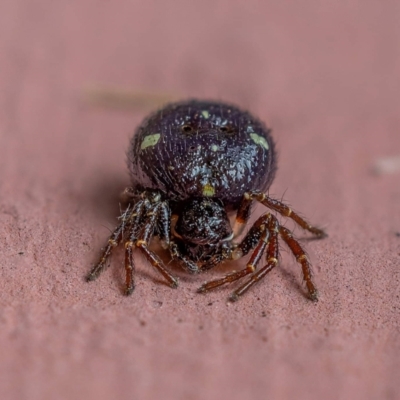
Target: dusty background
<point>324,75</point>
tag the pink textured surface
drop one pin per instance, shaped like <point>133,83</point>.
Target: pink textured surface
<point>324,75</point>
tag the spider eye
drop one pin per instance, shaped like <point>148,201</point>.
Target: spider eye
<point>187,128</point>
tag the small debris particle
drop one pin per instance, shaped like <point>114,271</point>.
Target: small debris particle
<point>386,165</point>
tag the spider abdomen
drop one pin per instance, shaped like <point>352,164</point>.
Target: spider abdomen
<point>202,149</point>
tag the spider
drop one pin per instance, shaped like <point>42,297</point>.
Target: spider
<point>192,164</point>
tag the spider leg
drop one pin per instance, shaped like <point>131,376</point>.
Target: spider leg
<point>185,262</point>
<point>164,224</point>
<point>275,205</point>
<point>272,259</point>
<point>302,259</point>
<point>113,241</point>
<point>242,216</point>
<point>258,237</point>
<point>136,223</point>
<point>143,241</point>
<point>215,260</point>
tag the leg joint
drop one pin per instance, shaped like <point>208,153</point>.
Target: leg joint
<point>302,257</point>
<point>261,197</point>
<point>129,244</point>
<point>251,268</point>
<point>288,212</point>
<point>112,243</point>
<point>272,260</point>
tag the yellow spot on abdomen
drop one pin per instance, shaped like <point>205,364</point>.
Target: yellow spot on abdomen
<point>205,114</point>
<point>257,139</point>
<point>214,147</point>
<point>208,190</point>
<point>150,141</point>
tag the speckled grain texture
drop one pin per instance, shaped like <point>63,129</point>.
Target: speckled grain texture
<point>324,75</point>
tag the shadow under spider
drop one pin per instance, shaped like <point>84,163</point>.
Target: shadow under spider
<point>293,280</point>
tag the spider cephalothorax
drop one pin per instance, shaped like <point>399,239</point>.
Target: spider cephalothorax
<point>190,164</point>
<point>203,221</point>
